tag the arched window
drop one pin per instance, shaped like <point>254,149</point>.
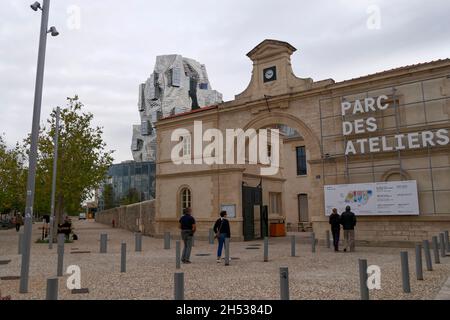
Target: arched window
<point>185,199</point>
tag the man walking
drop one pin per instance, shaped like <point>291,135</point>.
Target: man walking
<point>335,221</point>
<point>187,226</point>
<point>348,221</point>
<point>19,221</point>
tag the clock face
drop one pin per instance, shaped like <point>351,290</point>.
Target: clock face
<point>270,74</point>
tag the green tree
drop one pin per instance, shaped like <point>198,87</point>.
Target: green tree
<point>12,178</point>
<point>82,160</point>
<point>132,196</point>
<point>108,196</point>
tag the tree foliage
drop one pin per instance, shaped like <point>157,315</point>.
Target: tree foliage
<point>108,196</point>
<point>132,196</point>
<point>12,178</point>
<point>82,160</point>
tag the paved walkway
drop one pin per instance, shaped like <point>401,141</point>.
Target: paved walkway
<point>324,275</point>
<point>444,293</point>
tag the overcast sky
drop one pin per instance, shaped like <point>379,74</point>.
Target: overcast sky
<point>113,49</point>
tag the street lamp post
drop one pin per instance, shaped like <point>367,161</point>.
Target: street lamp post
<point>55,164</point>
<point>25,266</point>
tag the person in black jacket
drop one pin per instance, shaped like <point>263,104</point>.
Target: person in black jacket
<point>222,230</point>
<point>348,221</point>
<point>335,221</point>
<point>188,228</point>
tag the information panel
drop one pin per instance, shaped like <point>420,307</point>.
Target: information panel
<point>398,198</point>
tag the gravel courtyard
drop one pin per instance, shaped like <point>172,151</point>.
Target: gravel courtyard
<point>321,275</point>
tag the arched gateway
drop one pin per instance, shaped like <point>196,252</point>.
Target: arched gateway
<point>307,118</point>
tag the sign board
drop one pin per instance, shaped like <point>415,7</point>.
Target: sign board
<point>398,198</point>
<point>230,209</point>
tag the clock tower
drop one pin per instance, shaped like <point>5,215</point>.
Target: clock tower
<point>272,72</point>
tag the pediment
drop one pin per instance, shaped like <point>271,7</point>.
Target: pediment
<point>269,48</point>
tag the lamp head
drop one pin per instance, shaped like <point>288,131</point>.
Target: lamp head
<point>53,31</point>
<point>35,6</point>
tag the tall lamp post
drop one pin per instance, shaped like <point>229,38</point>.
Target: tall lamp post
<point>25,266</point>
<point>55,163</point>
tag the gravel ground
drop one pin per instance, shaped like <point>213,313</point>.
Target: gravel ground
<point>323,275</point>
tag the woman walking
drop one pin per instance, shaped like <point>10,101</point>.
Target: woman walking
<point>222,230</point>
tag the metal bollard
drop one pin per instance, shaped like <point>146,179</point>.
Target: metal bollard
<point>138,242</point>
<point>227,251</point>
<point>419,270</point>
<point>178,254</point>
<point>20,243</point>
<point>313,242</point>
<point>292,246</point>
<point>52,289</point>
<point>123,257</point>
<point>427,252</point>
<point>166,240</point>
<point>442,244</point>
<point>60,266</point>
<point>179,286</point>
<point>266,249</point>
<point>405,272</point>
<point>284,283</point>
<point>447,241</point>
<point>211,236</point>
<point>436,250</point>
<point>103,242</point>
<point>363,279</point>
<point>328,238</point>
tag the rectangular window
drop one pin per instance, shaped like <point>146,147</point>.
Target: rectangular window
<point>141,103</point>
<point>301,161</point>
<point>146,128</point>
<point>176,77</point>
<point>275,202</point>
<point>186,145</point>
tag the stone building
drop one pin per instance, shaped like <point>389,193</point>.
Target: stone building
<point>399,123</point>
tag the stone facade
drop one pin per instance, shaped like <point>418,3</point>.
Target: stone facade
<point>301,103</point>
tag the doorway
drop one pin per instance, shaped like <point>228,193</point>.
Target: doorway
<point>303,215</point>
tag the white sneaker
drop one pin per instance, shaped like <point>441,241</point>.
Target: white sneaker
<point>218,260</point>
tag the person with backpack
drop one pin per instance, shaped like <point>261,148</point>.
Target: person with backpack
<point>222,231</point>
<point>348,221</point>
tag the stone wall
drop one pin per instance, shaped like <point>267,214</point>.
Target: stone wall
<point>390,231</point>
<point>136,217</point>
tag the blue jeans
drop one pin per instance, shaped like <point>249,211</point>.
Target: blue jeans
<point>222,237</point>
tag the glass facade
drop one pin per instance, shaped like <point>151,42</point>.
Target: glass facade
<point>129,177</point>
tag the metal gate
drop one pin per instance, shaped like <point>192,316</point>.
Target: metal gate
<point>252,196</point>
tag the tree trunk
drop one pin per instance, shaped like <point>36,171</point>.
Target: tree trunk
<point>59,211</point>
